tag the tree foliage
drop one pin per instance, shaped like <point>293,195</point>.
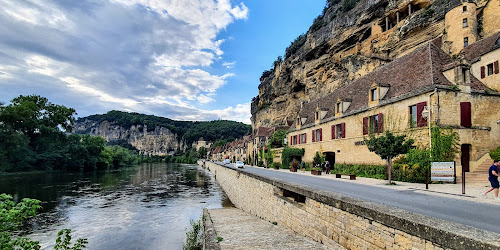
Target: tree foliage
<point>295,45</point>
<point>277,138</point>
<point>13,216</point>
<point>495,154</point>
<point>388,147</point>
<point>289,154</point>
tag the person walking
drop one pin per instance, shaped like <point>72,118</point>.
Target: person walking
<point>327,166</point>
<point>303,166</point>
<point>493,178</point>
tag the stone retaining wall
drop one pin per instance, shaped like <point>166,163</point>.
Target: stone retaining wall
<point>329,217</point>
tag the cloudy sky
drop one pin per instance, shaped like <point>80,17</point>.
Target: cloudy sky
<point>182,59</point>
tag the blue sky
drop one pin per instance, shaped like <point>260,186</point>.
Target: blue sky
<point>182,59</point>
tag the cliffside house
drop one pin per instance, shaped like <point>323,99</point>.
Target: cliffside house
<point>423,87</point>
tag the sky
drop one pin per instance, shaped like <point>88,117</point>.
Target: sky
<point>182,59</point>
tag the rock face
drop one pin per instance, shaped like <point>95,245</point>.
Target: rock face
<point>342,46</point>
<point>157,141</point>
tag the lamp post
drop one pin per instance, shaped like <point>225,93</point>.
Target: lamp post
<point>426,113</point>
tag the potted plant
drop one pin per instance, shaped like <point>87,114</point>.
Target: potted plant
<point>316,171</point>
<point>276,165</point>
<point>294,166</point>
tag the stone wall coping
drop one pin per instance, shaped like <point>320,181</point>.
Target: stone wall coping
<point>445,233</point>
<point>209,234</point>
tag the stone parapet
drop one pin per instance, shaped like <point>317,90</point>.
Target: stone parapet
<point>209,234</point>
<point>332,218</point>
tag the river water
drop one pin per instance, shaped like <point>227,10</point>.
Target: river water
<point>144,207</point>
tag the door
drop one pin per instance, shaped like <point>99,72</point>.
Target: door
<point>465,157</point>
<point>330,157</point>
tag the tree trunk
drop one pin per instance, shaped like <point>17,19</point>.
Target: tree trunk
<point>389,169</point>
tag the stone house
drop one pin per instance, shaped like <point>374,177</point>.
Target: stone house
<point>423,87</point>
<point>201,143</point>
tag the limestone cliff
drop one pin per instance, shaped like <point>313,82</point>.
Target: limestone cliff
<point>157,141</point>
<point>344,45</point>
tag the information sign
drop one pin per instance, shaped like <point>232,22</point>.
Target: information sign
<point>443,171</point>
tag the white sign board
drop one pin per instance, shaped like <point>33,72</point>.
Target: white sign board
<point>443,171</point>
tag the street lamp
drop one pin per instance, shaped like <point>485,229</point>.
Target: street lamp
<point>426,113</point>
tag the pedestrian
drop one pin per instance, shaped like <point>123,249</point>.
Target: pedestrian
<point>303,166</point>
<point>323,167</point>
<point>493,178</point>
<point>327,166</point>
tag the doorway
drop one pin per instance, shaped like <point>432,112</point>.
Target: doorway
<point>465,158</point>
<point>330,157</point>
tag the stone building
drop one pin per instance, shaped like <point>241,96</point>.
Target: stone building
<point>423,87</point>
<point>201,143</point>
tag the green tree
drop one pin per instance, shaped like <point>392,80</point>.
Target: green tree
<point>388,147</point>
<point>202,152</point>
<point>277,138</point>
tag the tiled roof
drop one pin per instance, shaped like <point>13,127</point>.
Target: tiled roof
<point>481,47</point>
<point>421,68</point>
<point>263,131</point>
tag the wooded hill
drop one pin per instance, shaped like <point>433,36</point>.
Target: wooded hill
<point>187,131</point>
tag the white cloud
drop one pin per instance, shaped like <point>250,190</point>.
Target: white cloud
<point>138,55</point>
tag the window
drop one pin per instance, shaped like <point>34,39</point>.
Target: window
<point>416,117</point>
<point>465,114</point>
<point>466,42</point>
<point>464,75</point>
<point>339,107</point>
<point>373,95</point>
<point>465,9</point>
<point>303,138</point>
<point>339,131</point>
<point>316,115</point>
<point>490,69</point>
<point>498,42</point>
<point>464,23</point>
<point>317,135</point>
<point>373,124</point>
<point>298,121</point>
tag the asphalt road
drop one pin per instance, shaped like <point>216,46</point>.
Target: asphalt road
<point>474,214</point>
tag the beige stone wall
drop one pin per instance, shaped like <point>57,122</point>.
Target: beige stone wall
<point>348,149</point>
<point>491,15</point>
<point>454,34</point>
<point>492,81</point>
<point>483,136</point>
<point>324,217</point>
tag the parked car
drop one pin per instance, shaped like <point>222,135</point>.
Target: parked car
<point>226,161</point>
<point>239,164</point>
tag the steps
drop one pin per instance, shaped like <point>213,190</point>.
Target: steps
<point>480,175</point>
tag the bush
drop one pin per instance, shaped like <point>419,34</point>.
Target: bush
<point>295,45</point>
<point>289,154</point>
<point>276,165</point>
<point>495,154</point>
<point>317,159</point>
<point>194,238</point>
<point>261,164</point>
<point>308,166</point>
<point>295,164</point>
<point>408,173</point>
<point>370,171</point>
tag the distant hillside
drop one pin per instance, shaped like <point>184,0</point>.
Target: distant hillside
<point>157,135</point>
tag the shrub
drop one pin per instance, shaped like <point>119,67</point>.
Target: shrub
<point>289,154</point>
<point>295,45</point>
<point>495,154</point>
<point>370,171</point>
<point>317,159</point>
<point>194,238</point>
<point>276,165</point>
<point>295,164</point>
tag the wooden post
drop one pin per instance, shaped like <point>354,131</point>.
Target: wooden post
<point>397,16</point>
<point>427,179</point>
<point>386,23</point>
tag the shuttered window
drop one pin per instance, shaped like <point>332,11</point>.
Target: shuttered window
<point>314,137</point>
<point>495,65</point>
<point>333,131</point>
<point>343,129</point>
<point>365,125</point>
<point>483,72</point>
<point>465,114</point>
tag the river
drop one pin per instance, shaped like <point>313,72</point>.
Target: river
<point>144,207</point>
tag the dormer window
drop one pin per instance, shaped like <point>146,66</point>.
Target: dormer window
<point>342,106</point>
<point>377,92</point>
<point>373,95</point>
<point>339,107</point>
<point>465,8</point>
<point>498,42</point>
<point>316,115</point>
<point>298,121</point>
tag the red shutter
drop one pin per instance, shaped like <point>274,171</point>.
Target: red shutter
<point>320,134</point>
<point>291,140</point>
<point>299,141</point>
<point>365,125</point>
<point>305,137</point>
<point>495,66</point>
<point>421,121</point>
<point>380,123</point>
<point>483,72</point>
<point>314,139</point>
<point>343,129</point>
<point>333,131</point>
<point>465,114</point>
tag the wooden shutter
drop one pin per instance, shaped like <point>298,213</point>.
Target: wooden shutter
<point>380,123</point>
<point>465,114</point>
<point>495,67</point>
<point>314,137</point>
<point>421,121</point>
<point>365,125</point>
<point>333,131</point>
<point>342,126</point>
<point>291,140</point>
<point>483,72</point>
<point>305,137</point>
<point>320,134</point>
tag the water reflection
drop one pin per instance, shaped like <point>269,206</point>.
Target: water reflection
<point>145,207</point>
